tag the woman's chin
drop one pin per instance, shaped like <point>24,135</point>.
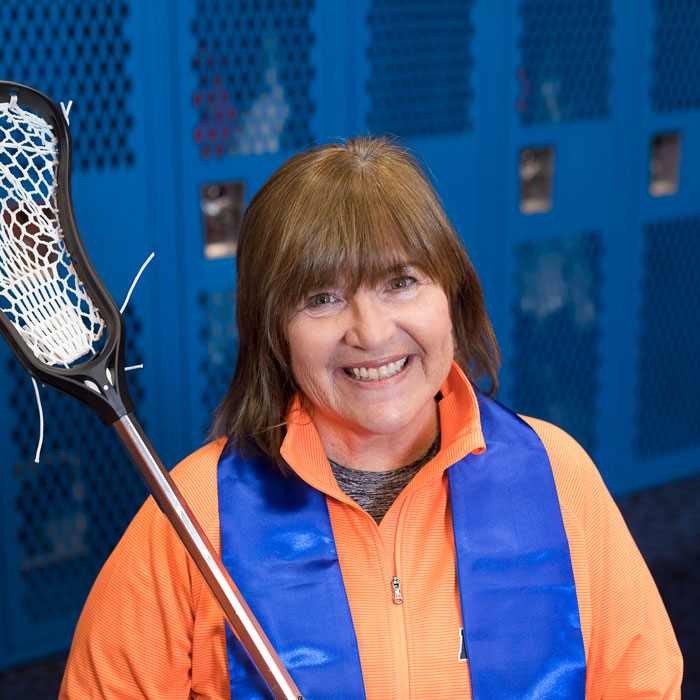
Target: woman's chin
<point>393,421</point>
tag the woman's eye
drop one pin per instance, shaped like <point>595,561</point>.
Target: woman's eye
<point>402,282</point>
<point>320,300</point>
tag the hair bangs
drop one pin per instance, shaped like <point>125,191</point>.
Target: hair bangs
<point>375,230</point>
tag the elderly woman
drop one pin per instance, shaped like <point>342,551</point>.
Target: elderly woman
<point>397,533</point>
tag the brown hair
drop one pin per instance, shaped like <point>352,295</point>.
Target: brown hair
<point>361,206</point>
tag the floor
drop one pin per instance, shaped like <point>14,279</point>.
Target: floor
<point>666,525</point>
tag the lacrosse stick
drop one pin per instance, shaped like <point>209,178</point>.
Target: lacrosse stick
<point>67,332</point>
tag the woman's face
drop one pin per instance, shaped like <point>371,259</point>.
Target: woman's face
<point>372,362</point>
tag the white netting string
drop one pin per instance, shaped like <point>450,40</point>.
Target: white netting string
<point>40,292</point>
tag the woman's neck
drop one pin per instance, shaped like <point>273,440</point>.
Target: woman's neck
<point>360,449</point>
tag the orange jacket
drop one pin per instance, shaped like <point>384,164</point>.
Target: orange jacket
<point>151,629</point>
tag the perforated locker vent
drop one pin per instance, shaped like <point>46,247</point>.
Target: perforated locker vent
<point>675,63</point>
<point>71,508</point>
<point>420,62</point>
<point>219,336</point>
<point>253,73</point>
<point>565,51</point>
<point>668,365</point>
<point>556,333</point>
<point>76,50</point>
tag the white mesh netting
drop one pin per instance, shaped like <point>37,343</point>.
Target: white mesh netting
<point>40,292</point>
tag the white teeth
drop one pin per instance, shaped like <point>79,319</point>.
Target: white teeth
<point>374,373</point>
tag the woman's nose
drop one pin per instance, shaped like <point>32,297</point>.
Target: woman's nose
<point>371,323</point>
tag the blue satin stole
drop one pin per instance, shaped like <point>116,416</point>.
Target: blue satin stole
<point>516,585</point>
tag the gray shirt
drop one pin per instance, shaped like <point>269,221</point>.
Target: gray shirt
<point>376,491</point>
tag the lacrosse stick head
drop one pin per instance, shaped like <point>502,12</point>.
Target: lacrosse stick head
<point>55,313</point>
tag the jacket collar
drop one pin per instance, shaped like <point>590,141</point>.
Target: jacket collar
<point>460,426</point>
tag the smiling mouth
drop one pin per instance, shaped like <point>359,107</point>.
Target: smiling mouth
<point>373,374</point>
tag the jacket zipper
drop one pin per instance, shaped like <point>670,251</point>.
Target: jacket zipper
<point>396,613</point>
<point>396,585</point>
<point>397,602</point>
<point>395,619</point>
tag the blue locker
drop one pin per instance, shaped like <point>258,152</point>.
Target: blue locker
<point>539,122</point>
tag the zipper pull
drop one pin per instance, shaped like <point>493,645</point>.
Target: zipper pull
<point>395,583</point>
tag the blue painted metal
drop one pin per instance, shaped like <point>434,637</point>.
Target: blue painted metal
<point>172,95</point>
<point>61,518</point>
